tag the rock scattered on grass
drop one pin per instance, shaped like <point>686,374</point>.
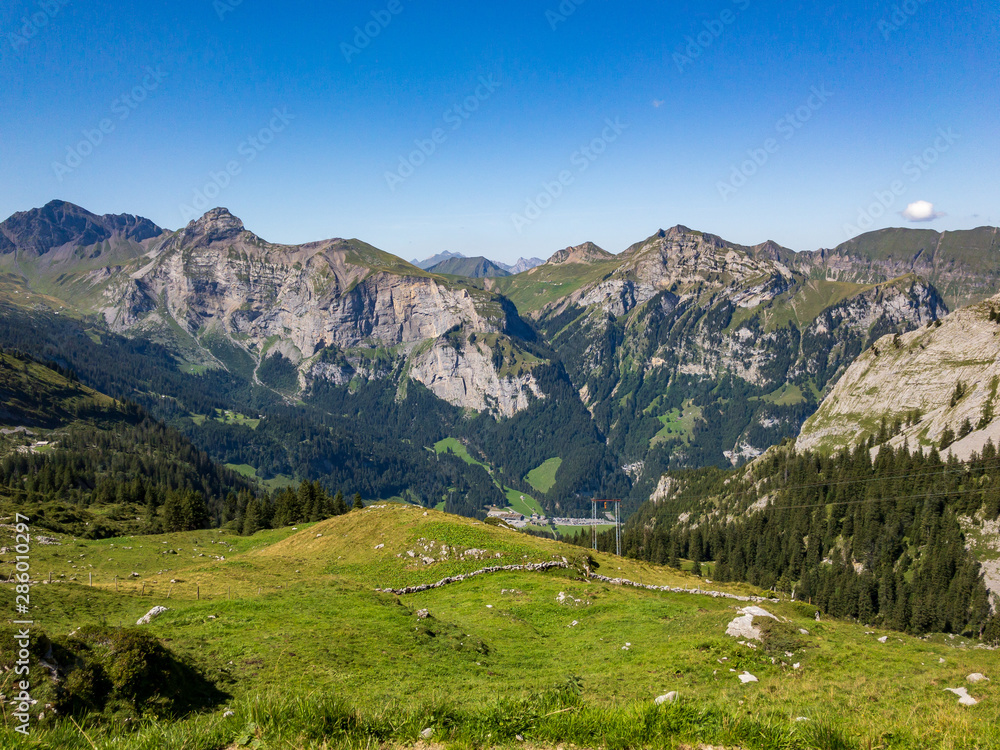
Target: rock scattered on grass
<point>151,615</point>
<point>977,677</point>
<point>427,733</point>
<point>883,639</point>
<point>423,614</point>
<point>964,699</point>
<point>668,698</point>
<point>747,677</point>
<point>742,626</point>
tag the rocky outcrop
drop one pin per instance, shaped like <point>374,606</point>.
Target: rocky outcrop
<point>921,384</point>
<point>464,375</point>
<point>586,253</point>
<point>342,298</point>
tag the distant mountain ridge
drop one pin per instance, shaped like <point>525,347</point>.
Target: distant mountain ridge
<point>435,259</point>
<point>59,223</point>
<point>480,267</point>
<point>964,265</point>
<point>472,268</point>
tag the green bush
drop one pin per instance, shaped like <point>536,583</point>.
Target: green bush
<point>110,673</point>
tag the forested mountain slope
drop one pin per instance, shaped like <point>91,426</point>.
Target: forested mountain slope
<point>77,461</point>
<point>897,540</point>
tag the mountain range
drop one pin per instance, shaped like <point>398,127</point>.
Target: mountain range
<point>476,267</point>
<point>683,350</point>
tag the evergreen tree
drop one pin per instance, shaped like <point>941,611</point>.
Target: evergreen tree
<point>251,519</point>
<point>173,513</point>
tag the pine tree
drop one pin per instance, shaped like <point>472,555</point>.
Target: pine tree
<point>251,519</point>
<point>173,513</point>
<point>194,512</point>
<point>357,504</point>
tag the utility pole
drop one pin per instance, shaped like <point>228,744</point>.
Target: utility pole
<point>618,522</point>
<point>593,525</point>
<point>618,527</point>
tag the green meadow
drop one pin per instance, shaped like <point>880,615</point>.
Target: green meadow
<point>305,652</point>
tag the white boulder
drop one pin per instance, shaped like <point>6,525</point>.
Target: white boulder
<point>151,615</point>
<point>964,698</point>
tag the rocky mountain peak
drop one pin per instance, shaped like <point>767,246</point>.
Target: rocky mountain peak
<point>59,223</point>
<point>772,251</point>
<point>216,225</point>
<point>588,252</point>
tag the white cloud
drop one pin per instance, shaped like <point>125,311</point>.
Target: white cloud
<point>920,211</point>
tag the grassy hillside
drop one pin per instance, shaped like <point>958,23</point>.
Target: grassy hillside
<point>532,290</point>
<point>549,656</point>
<point>963,265</point>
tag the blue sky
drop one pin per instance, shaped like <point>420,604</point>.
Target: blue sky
<point>507,129</point>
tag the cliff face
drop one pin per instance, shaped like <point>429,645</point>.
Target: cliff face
<point>465,375</point>
<point>216,278</point>
<point>921,385</point>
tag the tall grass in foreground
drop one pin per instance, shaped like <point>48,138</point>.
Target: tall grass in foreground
<point>285,722</point>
